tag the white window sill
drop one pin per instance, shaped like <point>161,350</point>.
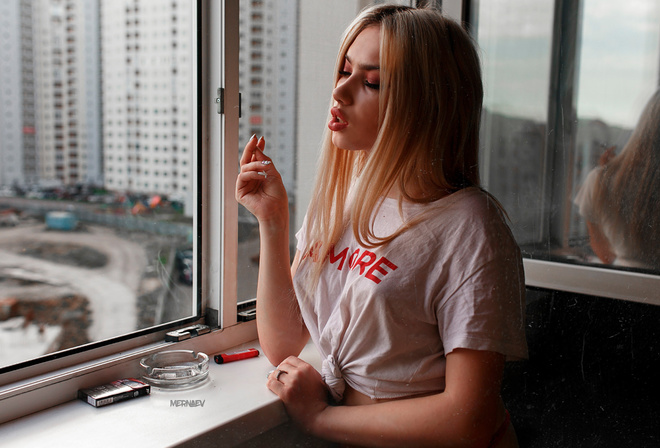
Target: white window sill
<point>237,406</point>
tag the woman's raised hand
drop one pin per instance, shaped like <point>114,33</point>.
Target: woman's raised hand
<point>259,186</point>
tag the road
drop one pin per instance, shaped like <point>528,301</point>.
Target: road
<point>112,290</point>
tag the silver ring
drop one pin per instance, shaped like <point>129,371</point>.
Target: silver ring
<point>278,372</point>
<point>266,162</point>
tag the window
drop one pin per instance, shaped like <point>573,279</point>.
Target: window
<point>564,83</point>
<point>84,261</point>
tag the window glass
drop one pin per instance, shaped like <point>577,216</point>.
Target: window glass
<point>563,96</point>
<point>618,60</point>
<point>515,38</point>
<point>97,193</point>
<point>267,81</point>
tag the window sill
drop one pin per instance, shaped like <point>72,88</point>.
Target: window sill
<point>237,406</point>
<point>594,281</point>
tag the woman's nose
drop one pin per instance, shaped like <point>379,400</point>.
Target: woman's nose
<point>341,92</point>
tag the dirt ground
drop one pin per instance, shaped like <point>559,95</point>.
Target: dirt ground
<point>95,282</point>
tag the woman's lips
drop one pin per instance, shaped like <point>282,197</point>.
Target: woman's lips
<point>337,122</point>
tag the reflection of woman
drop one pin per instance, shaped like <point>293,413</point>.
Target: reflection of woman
<point>406,278</point>
<point>620,200</point>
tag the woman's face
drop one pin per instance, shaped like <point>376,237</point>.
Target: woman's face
<point>354,122</point>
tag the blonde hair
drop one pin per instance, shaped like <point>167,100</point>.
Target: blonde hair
<point>627,193</point>
<point>427,144</point>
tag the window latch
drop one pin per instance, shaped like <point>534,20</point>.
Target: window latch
<point>220,101</point>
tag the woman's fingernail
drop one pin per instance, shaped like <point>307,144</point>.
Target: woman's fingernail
<point>253,137</point>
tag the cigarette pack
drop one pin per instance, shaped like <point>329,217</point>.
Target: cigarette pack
<point>113,392</point>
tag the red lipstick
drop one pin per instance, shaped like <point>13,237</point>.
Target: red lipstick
<point>337,122</point>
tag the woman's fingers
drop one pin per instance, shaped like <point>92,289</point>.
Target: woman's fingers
<point>249,150</point>
<point>301,388</point>
<point>254,150</point>
<point>258,154</point>
<point>255,165</point>
<point>259,185</point>
<point>263,168</point>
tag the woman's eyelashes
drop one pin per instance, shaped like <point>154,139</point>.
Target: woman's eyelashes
<point>367,83</point>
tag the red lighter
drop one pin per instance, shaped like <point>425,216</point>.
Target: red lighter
<point>236,356</point>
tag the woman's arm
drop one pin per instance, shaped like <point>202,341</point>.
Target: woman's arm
<point>597,239</point>
<point>260,189</point>
<point>600,244</point>
<point>282,332</point>
<point>467,413</point>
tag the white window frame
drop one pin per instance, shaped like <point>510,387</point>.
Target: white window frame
<point>36,387</point>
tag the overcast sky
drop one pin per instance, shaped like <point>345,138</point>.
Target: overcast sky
<point>619,57</point>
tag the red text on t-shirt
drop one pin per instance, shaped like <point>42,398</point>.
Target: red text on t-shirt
<point>367,262</point>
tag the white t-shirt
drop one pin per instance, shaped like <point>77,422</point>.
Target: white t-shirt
<point>383,319</point>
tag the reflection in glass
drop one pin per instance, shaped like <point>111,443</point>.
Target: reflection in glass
<point>620,198</point>
<point>619,56</point>
<point>562,94</point>
<point>96,171</point>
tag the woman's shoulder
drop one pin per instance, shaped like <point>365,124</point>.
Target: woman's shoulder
<point>466,225</point>
<point>471,216</point>
<point>471,203</point>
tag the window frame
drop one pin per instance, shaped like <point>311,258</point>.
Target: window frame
<point>612,282</point>
<point>46,383</point>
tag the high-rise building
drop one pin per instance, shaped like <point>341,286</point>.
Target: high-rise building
<point>11,107</point>
<point>50,120</point>
<point>67,95</point>
<point>267,79</point>
<point>30,171</point>
<point>147,56</point>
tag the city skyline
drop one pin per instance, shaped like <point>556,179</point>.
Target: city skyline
<point>106,88</point>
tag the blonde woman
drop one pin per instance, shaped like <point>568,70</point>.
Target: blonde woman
<point>620,199</point>
<point>407,278</point>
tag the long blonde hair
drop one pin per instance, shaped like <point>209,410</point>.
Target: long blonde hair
<point>429,112</point>
<point>627,193</point>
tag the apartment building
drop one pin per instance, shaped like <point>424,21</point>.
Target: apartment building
<point>67,91</point>
<point>268,75</point>
<point>12,106</point>
<point>147,60</point>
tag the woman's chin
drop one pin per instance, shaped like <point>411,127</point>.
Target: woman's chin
<point>341,142</point>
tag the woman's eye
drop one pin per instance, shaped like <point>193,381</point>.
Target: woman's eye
<point>372,85</point>
<point>344,73</point>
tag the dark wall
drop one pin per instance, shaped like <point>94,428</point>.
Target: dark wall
<point>593,375</point>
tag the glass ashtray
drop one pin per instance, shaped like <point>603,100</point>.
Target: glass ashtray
<point>175,369</point>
